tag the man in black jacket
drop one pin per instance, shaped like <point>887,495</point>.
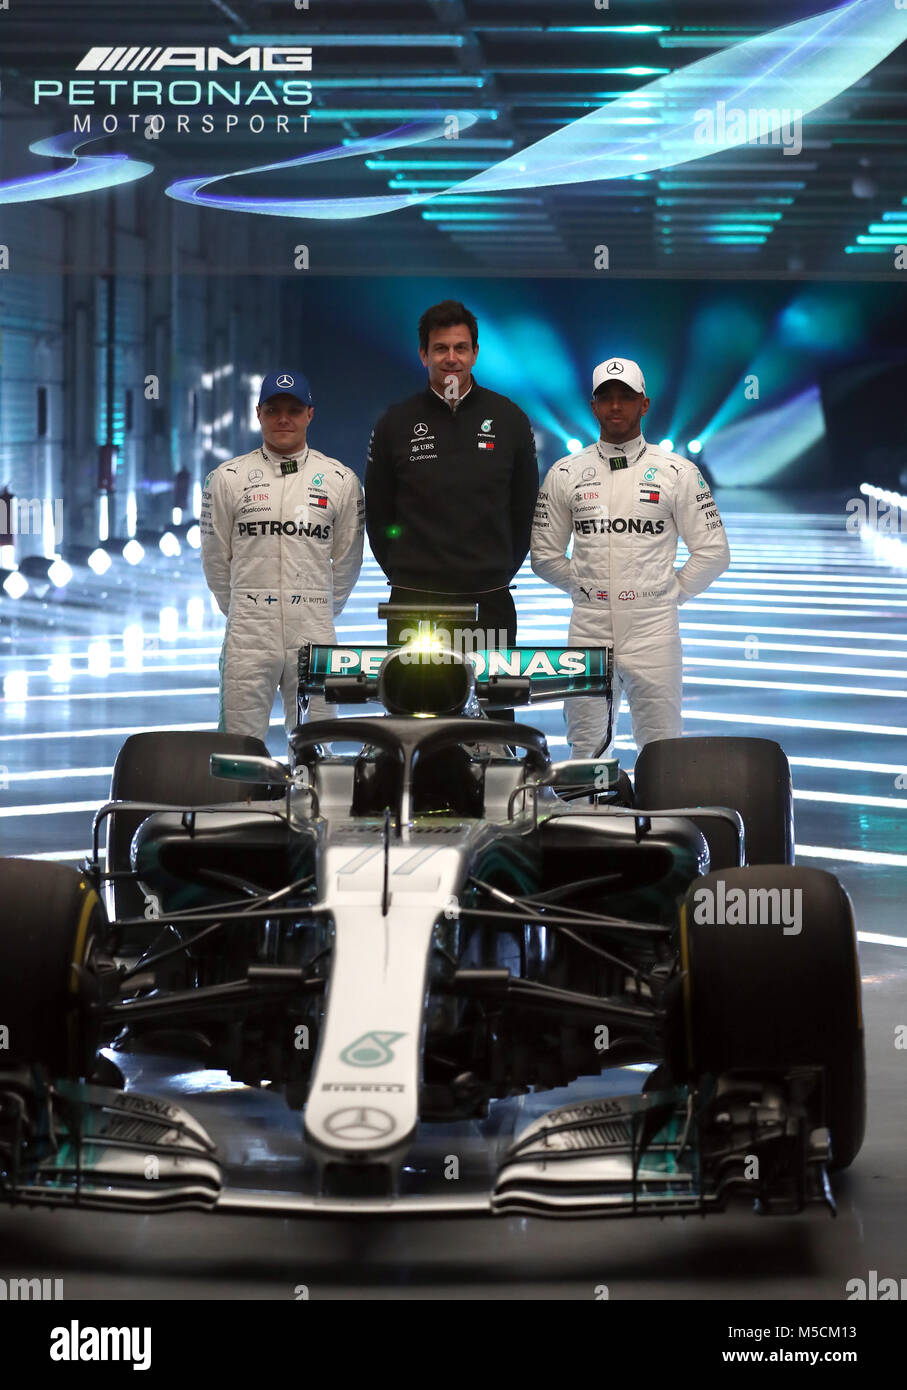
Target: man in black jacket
<point>451,483</point>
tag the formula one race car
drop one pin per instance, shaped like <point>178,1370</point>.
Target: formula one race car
<point>430,936</point>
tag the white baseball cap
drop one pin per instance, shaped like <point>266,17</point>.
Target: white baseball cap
<point>619,369</point>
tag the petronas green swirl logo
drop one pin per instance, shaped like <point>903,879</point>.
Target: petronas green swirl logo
<point>371,1050</point>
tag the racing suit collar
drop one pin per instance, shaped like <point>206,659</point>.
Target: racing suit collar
<point>275,460</point>
<point>632,450</point>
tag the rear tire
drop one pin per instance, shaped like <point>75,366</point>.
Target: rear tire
<point>750,775</point>
<point>174,769</point>
<point>755,999</point>
<point>50,917</point>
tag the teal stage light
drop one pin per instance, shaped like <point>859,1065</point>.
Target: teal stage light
<point>817,58</point>
<point>725,332</point>
<point>754,450</point>
<point>394,113</point>
<point>339,40</point>
<point>394,166</point>
<point>695,446</point>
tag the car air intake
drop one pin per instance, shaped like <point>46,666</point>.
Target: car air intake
<point>413,681</point>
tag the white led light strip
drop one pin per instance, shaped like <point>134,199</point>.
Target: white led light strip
<point>794,686</point>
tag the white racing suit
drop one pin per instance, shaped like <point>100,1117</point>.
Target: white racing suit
<point>281,551</point>
<point>624,506</point>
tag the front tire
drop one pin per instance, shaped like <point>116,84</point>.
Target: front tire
<point>756,999</point>
<point>50,917</point>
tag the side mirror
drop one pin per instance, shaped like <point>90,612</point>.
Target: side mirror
<point>583,776</point>
<point>241,767</point>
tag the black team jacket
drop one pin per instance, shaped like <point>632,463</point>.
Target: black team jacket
<point>449,494</point>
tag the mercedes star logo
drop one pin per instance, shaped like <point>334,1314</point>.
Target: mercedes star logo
<point>421,428</point>
<point>285,381</point>
<point>615,368</point>
<point>360,1122</point>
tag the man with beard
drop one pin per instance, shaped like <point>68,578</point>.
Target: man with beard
<point>450,485</point>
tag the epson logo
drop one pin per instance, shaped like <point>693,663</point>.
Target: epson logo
<point>151,59</point>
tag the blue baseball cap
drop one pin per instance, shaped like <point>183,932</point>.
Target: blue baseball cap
<point>285,384</point>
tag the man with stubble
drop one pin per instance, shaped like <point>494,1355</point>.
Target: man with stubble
<point>451,483</point>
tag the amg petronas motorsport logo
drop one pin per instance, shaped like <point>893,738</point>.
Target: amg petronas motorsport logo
<point>155,59</point>
<point>371,1050</point>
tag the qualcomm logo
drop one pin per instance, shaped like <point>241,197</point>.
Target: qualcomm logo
<point>151,59</point>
